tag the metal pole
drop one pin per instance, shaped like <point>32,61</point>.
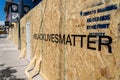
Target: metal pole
<point>19,36</point>
<point>20,11</point>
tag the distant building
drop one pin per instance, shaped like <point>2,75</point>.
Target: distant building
<point>2,27</point>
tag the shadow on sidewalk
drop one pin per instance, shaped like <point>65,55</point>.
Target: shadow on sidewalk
<point>8,73</point>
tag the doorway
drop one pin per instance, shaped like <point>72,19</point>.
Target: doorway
<point>28,39</point>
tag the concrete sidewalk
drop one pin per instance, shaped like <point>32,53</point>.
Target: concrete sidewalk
<point>10,67</point>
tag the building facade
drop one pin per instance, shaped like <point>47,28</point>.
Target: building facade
<point>22,3</point>
<point>72,39</point>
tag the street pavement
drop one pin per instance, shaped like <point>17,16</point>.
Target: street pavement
<point>10,67</point>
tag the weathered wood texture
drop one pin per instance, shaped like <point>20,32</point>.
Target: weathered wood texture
<point>13,34</point>
<point>65,62</point>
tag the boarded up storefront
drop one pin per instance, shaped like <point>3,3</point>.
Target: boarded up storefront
<point>13,33</point>
<point>74,39</point>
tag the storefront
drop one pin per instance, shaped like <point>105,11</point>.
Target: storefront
<point>88,51</point>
